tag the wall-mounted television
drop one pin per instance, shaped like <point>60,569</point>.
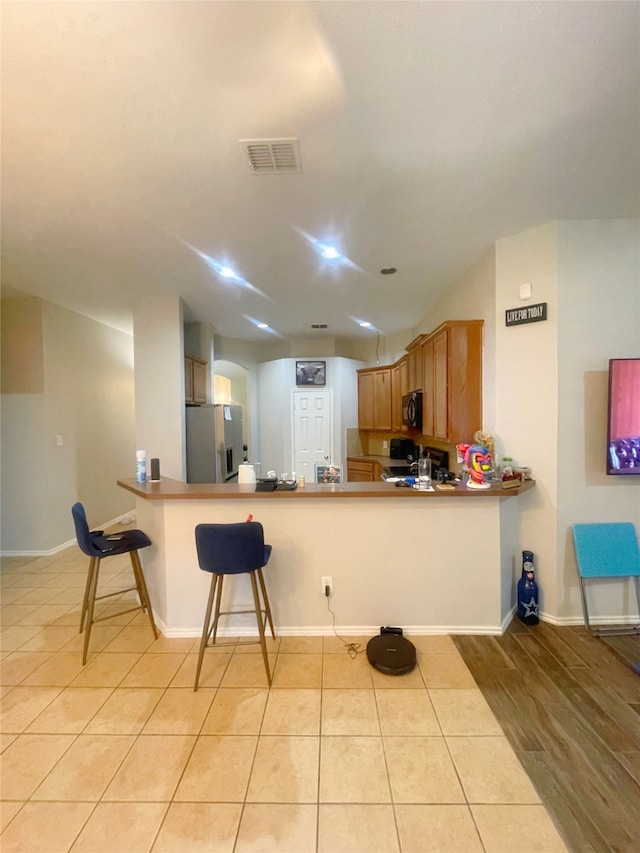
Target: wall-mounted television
<point>623,421</point>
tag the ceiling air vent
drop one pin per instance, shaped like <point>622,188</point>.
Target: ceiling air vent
<point>272,156</point>
<point>319,326</point>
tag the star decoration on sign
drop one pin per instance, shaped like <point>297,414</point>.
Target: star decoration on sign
<point>530,608</point>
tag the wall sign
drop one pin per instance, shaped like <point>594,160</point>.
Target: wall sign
<point>529,314</point>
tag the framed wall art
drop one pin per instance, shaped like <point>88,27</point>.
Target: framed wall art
<point>311,372</point>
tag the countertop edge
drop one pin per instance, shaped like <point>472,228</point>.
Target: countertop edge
<point>170,490</point>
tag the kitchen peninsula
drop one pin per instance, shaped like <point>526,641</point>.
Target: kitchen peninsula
<point>431,562</point>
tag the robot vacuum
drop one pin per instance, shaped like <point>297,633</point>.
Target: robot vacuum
<point>391,653</point>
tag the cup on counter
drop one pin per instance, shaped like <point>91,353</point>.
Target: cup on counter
<point>424,473</point>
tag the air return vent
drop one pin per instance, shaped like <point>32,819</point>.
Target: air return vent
<point>272,156</point>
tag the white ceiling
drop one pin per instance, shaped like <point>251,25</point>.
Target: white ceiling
<point>427,130</point>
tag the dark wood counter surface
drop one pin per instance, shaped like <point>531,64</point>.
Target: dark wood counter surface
<point>170,490</point>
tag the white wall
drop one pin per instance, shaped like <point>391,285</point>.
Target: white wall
<point>276,380</point>
<point>527,394</point>
<point>159,384</point>
<point>599,311</point>
<point>551,393</point>
<point>86,396</point>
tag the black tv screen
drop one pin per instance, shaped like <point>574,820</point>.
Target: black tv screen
<point>623,434</point>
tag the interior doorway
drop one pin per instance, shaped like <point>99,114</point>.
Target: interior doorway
<point>231,386</point>
<point>312,431</point>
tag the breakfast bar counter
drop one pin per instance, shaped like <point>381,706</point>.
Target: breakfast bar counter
<point>430,562</point>
<point>172,490</point>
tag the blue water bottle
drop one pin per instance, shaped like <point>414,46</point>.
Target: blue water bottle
<point>141,466</point>
<point>528,591</point>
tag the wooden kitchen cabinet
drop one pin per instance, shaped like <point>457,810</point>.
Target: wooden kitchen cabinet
<point>452,365</point>
<point>399,387</point>
<point>428,388</point>
<point>363,471</point>
<point>195,379</point>
<point>447,365</point>
<point>414,365</point>
<point>440,385</point>
<point>374,398</point>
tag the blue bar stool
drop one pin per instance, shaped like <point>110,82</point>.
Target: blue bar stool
<point>233,549</point>
<point>97,545</point>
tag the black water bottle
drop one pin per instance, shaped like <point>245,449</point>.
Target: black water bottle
<point>528,591</point>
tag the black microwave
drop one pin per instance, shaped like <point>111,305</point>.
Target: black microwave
<point>412,409</point>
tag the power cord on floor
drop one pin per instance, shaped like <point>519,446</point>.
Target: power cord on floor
<point>353,649</point>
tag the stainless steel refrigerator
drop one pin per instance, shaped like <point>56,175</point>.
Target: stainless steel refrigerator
<point>214,443</point>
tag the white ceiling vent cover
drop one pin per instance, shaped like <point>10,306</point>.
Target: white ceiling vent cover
<point>272,156</point>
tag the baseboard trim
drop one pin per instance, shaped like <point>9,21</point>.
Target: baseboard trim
<point>324,631</point>
<point>127,518</point>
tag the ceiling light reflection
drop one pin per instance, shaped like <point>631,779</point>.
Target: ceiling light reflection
<point>225,271</point>
<point>264,327</point>
<point>364,324</point>
<point>326,250</point>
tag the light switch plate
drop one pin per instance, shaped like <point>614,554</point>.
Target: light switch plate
<point>525,290</point>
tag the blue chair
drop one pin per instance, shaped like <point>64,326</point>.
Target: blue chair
<point>607,550</point>
<point>233,549</point>
<point>98,545</point>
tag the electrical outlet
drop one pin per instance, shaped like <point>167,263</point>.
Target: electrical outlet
<point>385,444</point>
<point>327,582</point>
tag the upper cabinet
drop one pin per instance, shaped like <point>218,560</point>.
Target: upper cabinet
<point>452,370</point>
<point>195,380</point>
<point>399,387</point>
<point>374,398</point>
<point>447,365</point>
<point>414,364</point>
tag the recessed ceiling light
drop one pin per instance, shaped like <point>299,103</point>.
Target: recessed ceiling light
<point>262,325</point>
<point>365,324</point>
<point>329,252</point>
<point>388,271</point>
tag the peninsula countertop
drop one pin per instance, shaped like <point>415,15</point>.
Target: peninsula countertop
<point>167,489</point>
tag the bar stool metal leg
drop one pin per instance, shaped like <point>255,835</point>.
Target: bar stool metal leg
<point>217,612</point>
<point>265,598</point>
<point>263,642</point>
<point>143,592</point>
<point>206,627</point>
<point>90,607</point>
<point>85,600</point>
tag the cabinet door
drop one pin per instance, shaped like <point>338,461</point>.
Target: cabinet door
<point>360,472</point>
<point>374,399</point>
<point>396,398</point>
<point>441,386</point>
<point>199,381</point>
<point>428,387</point>
<point>415,370</point>
<point>382,399</point>
<point>464,359</point>
<point>365,400</point>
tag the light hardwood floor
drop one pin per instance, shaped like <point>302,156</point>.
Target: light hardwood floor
<point>569,704</point>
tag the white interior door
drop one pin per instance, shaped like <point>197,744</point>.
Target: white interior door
<point>312,431</point>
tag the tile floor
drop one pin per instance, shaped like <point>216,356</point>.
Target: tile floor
<point>122,756</point>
